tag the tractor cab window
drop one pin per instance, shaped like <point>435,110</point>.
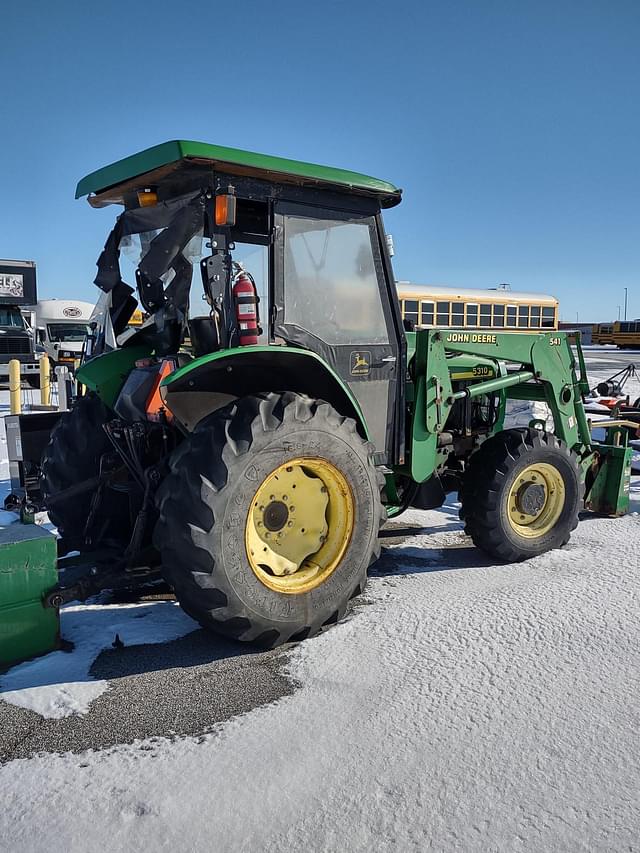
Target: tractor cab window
<point>254,259</point>
<point>330,281</point>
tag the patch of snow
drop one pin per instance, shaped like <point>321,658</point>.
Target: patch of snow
<point>490,707</point>
<point>7,518</point>
<point>58,684</point>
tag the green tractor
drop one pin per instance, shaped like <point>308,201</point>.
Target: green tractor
<point>246,447</point>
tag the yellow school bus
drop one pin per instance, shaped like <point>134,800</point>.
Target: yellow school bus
<point>623,334</point>
<point>425,305</point>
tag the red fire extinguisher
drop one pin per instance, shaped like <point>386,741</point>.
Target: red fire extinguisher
<point>245,297</point>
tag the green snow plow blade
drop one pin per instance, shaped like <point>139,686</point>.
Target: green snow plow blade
<point>27,570</point>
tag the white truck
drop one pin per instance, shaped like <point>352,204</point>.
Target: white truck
<point>61,327</point>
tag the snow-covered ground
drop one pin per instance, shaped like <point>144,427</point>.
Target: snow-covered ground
<point>462,706</point>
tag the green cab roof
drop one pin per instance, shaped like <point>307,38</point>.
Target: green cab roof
<point>157,162</point>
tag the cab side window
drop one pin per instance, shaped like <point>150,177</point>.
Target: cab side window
<point>331,285</point>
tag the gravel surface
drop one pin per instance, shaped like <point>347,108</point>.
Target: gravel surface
<point>182,687</point>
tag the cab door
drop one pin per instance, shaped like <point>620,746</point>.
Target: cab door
<point>332,295</point>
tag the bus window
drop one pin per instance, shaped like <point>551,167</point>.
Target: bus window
<point>410,310</point>
<point>442,313</point>
<point>511,316</point>
<point>485,314</point>
<point>523,316</point>
<point>427,313</point>
<point>472,314</point>
<point>498,316</point>
<point>457,313</point>
<point>549,318</point>
<point>535,316</point>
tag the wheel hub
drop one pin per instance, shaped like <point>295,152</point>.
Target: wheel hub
<point>275,516</point>
<point>531,498</point>
<point>299,525</point>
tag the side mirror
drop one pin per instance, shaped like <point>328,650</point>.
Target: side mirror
<point>41,335</point>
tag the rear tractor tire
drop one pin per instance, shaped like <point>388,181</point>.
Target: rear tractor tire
<point>521,494</point>
<point>269,518</point>
<point>73,455</point>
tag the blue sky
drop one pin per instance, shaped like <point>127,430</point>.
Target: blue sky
<point>513,127</point>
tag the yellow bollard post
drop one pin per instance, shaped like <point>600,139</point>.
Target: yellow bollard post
<point>45,381</point>
<point>15,401</point>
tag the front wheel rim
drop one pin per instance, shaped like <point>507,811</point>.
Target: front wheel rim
<point>536,499</point>
<point>299,525</point>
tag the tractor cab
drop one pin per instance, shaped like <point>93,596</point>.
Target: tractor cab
<point>229,251</point>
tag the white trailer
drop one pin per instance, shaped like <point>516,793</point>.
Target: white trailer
<point>61,327</point>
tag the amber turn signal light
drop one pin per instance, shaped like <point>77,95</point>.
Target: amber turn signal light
<point>147,198</point>
<point>226,210</point>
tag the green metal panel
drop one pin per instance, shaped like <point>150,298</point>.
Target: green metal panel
<point>262,165</point>
<point>28,558</point>
<point>471,367</point>
<point>106,373</point>
<point>430,411</point>
<point>609,493</point>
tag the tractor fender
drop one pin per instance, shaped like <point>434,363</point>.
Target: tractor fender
<point>212,381</point>
<point>106,374</point>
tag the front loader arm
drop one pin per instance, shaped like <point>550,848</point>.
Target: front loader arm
<point>539,367</point>
<point>543,369</point>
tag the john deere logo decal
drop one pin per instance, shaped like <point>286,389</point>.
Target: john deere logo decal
<point>360,362</point>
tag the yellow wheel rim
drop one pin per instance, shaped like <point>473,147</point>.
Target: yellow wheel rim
<point>536,500</point>
<point>299,525</point>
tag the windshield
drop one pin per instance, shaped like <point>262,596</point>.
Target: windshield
<point>59,332</point>
<point>11,317</point>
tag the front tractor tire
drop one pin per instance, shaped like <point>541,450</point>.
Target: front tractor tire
<point>521,494</point>
<point>269,518</point>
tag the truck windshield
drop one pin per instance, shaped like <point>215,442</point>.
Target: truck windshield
<point>59,332</point>
<point>11,317</point>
